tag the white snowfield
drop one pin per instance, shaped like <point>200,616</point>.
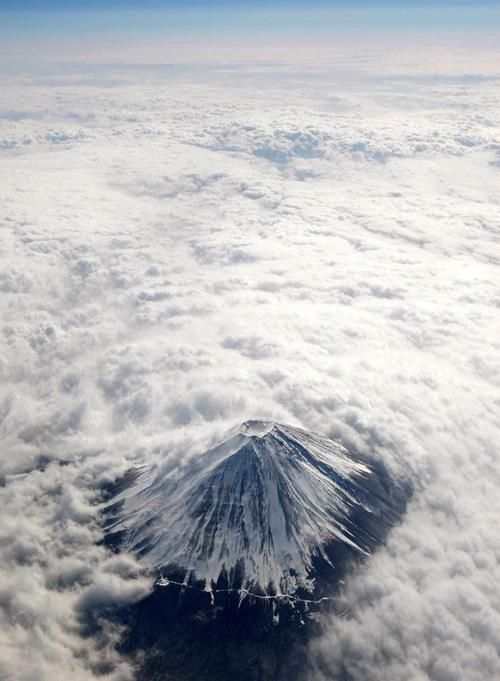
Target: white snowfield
<point>270,495</point>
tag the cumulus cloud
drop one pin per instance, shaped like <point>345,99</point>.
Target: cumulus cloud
<point>188,253</point>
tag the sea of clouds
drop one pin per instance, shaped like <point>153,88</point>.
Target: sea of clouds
<point>186,248</point>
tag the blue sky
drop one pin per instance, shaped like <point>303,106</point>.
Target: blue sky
<point>41,19</point>
<point>21,5</point>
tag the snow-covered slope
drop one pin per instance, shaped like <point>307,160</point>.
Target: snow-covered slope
<point>270,498</point>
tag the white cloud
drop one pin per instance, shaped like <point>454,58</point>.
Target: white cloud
<point>184,254</point>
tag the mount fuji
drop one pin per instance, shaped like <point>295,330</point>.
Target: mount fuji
<point>262,511</point>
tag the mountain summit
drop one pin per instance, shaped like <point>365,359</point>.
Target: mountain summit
<point>263,509</point>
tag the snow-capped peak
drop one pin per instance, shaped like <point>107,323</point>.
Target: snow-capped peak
<point>269,499</point>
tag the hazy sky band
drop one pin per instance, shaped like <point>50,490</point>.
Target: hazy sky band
<point>69,5</point>
<point>159,15</point>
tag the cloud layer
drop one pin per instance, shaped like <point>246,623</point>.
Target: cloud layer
<point>181,253</point>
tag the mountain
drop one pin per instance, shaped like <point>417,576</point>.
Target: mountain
<point>263,508</point>
<point>247,541</point>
